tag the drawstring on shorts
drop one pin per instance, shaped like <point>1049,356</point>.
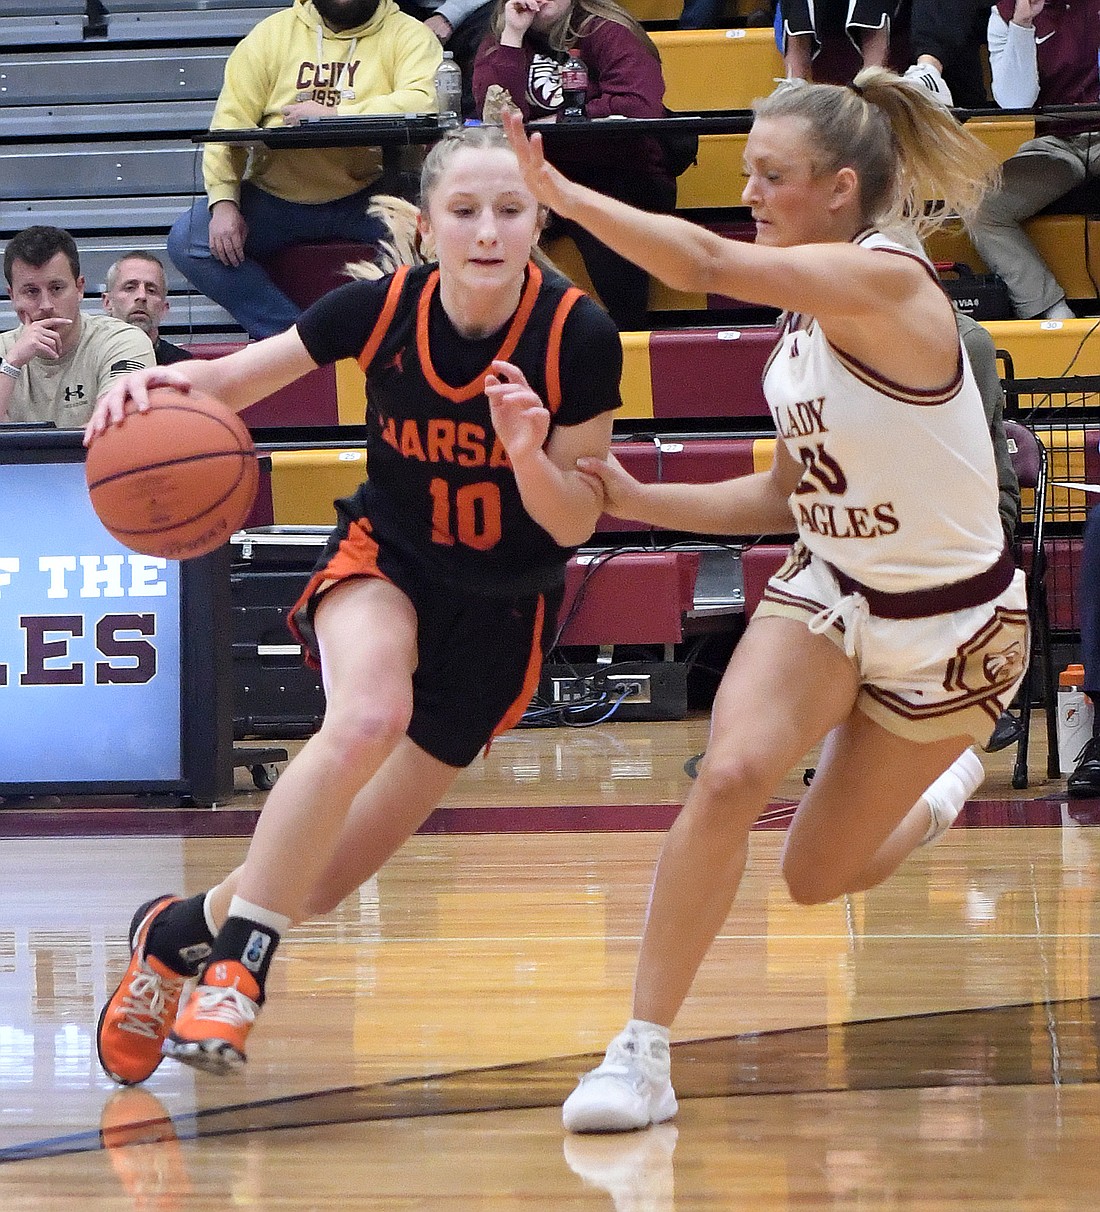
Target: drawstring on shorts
<point>851,610</point>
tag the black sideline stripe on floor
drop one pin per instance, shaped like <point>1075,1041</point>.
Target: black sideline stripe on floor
<point>1040,1043</point>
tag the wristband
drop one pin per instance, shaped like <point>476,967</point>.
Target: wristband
<point>6,368</point>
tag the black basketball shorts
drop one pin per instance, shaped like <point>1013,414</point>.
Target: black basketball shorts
<point>479,655</point>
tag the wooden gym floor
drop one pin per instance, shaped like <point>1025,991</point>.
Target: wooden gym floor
<point>928,1044</point>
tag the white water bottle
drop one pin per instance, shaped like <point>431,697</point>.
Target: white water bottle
<point>1075,714</point>
<point>448,90</point>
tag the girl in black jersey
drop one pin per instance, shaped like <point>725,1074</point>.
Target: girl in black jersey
<point>433,604</point>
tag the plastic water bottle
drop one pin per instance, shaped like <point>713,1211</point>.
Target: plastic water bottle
<point>574,89</point>
<point>448,90</point>
<point>1075,712</point>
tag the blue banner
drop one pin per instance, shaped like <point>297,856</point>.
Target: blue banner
<point>89,640</point>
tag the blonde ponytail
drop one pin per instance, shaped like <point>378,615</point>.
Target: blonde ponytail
<point>906,148</point>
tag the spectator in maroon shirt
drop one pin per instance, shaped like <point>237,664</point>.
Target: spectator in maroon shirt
<point>1041,52</point>
<point>529,40</point>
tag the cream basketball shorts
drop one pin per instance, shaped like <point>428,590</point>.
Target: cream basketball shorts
<point>941,674</point>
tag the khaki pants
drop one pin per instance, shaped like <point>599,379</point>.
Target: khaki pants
<point>1041,172</point>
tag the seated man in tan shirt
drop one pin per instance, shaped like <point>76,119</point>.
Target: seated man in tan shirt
<point>55,364</point>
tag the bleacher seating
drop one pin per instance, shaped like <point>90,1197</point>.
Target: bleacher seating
<point>663,298</point>
<point>41,22</point>
<point>47,8</point>
<point>661,382</point>
<point>187,20</point>
<point>565,254</point>
<point>714,180</point>
<point>667,12</point>
<point>304,483</point>
<point>97,137</point>
<point>685,459</point>
<point>661,377</point>
<point>1066,242</point>
<point>651,12</point>
<point>1049,348</point>
<point>717,68</point>
<point>180,117</point>
<point>91,75</point>
<point>607,615</point>
<point>124,168</point>
<point>759,562</point>
<point>305,272</point>
<point>97,140</point>
<point>145,222</point>
<point>127,215</point>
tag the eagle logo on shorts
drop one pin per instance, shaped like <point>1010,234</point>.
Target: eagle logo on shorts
<point>994,657</point>
<point>544,83</point>
<point>1006,665</point>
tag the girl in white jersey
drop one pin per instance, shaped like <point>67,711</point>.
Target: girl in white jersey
<point>897,630</point>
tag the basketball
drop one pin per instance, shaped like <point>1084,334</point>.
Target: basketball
<point>175,481</point>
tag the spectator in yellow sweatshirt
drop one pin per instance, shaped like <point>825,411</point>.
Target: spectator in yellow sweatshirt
<point>315,59</point>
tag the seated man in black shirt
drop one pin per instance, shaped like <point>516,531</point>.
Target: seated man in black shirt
<point>137,292</point>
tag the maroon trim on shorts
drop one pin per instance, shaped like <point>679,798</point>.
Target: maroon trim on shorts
<point>940,599</point>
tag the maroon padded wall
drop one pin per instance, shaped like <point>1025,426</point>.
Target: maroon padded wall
<point>699,461</point>
<point>710,372</point>
<point>630,598</point>
<point>305,272</point>
<point>309,401</point>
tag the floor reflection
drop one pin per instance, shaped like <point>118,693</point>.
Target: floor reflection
<point>1050,1043</point>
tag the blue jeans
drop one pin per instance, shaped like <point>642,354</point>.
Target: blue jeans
<point>700,14</point>
<point>246,291</point>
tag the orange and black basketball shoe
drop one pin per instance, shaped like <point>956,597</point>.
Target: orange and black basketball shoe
<point>212,1027</point>
<point>142,1009</point>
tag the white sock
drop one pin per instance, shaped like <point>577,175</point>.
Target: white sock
<point>239,907</point>
<point>946,796</point>
<point>639,1026</point>
<point>208,913</point>
<point>1058,311</point>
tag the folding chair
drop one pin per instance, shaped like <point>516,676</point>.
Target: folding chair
<point>1029,458</point>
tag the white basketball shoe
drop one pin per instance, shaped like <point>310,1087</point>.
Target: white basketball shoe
<point>631,1088</point>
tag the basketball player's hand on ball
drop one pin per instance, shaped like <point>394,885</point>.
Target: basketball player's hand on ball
<point>620,490</point>
<point>39,339</point>
<point>519,417</point>
<point>130,393</point>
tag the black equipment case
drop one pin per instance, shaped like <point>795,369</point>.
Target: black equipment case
<point>980,296</point>
<point>275,693</point>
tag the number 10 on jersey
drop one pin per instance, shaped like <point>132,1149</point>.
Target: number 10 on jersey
<point>469,515</point>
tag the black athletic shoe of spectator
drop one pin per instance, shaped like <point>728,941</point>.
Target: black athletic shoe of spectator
<point>1007,731</point>
<point>1084,782</point>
